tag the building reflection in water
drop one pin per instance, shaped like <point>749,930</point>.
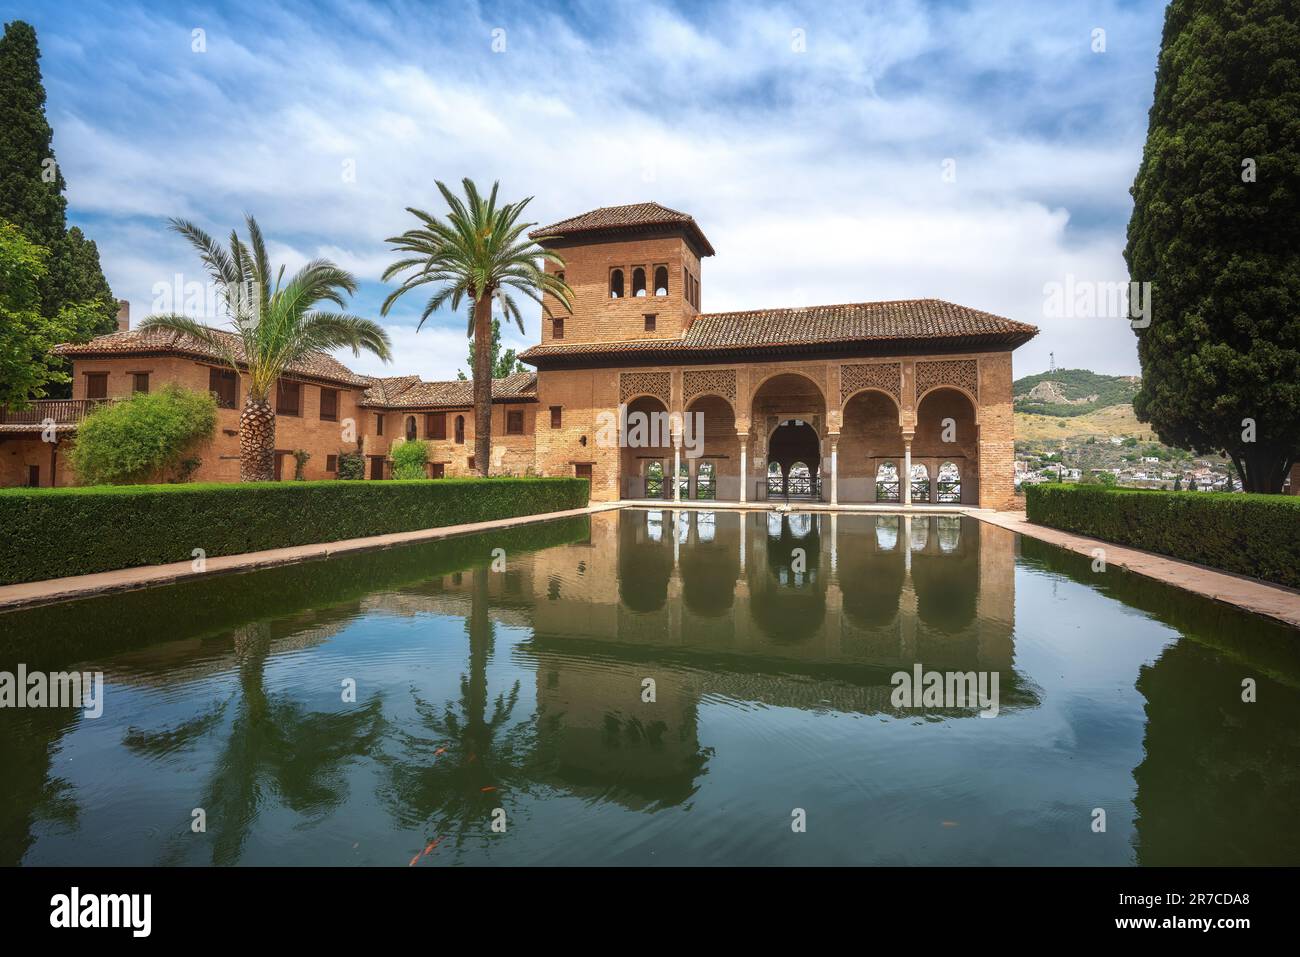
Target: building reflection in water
<point>788,610</point>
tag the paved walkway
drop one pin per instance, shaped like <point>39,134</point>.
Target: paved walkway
<point>1250,594</point>
<point>30,594</point>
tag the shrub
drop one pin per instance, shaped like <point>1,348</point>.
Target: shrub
<point>143,438</point>
<point>300,459</point>
<point>1255,535</point>
<point>53,532</point>
<point>352,465</point>
<point>410,460</point>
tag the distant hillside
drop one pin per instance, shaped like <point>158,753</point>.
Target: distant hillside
<point>1071,392</point>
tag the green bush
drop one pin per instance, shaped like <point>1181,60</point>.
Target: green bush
<point>410,460</point>
<point>144,438</point>
<point>352,465</point>
<point>1255,535</point>
<point>53,532</point>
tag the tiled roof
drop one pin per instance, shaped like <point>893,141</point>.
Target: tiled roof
<point>813,328</point>
<point>409,392</point>
<point>317,365</point>
<point>624,218</point>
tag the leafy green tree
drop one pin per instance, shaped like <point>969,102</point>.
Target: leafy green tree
<point>1216,230</point>
<point>145,438</point>
<point>409,460</point>
<point>503,363</point>
<point>477,254</point>
<point>31,191</point>
<point>27,369</point>
<point>275,323</point>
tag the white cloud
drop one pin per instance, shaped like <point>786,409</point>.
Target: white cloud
<point>815,174</point>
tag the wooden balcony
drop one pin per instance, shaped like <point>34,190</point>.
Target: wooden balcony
<point>60,411</point>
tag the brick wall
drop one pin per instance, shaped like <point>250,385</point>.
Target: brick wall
<point>597,317</point>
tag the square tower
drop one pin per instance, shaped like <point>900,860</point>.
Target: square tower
<point>634,271</point>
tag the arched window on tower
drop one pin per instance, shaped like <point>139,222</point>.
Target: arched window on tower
<point>638,282</point>
<point>661,280</point>
<point>616,284</point>
<point>460,430</point>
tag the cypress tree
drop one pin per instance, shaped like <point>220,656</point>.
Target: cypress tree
<point>31,190</point>
<point>31,183</point>
<point>1216,230</point>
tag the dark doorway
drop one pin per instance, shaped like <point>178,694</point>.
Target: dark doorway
<point>33,476</point>
<point>376,466</point>
<point>795,444</point>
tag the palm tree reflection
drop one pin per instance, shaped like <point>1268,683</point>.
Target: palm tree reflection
<point>272,747</point>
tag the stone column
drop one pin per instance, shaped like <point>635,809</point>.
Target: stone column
<point>677,467</point>
<point>835,468</point>
<point>906,477</point>
<point>744,465</point>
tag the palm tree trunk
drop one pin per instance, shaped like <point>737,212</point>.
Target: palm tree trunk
<point>256,441</point>
<point>483,383</point>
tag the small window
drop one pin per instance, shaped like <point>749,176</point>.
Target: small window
<point>661,280</point>
<point>616,284</point>
<point>650,323</point>
<point>514,422</point>
<point>379,425</point>
<point>638,282</point>
<point>329,405</point>
<point>331,463</point>
<point>556,416</point>
<point>96,385</point>
<point>435,425</point>
<point>557,328</point>
<point>224,384</point>
<point>471,463</point>
<point>288,396</point>
<point>460,430</point>
<point>139,382</point>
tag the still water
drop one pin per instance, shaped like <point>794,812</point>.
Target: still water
<point>509,687</point>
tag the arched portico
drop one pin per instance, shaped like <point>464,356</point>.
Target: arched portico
<point>788,412</point>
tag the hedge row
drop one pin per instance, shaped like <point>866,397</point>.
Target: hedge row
<point>53,532</point>
<point>1255,535</point>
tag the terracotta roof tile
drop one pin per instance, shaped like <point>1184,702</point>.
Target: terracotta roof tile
<point>829,326</point>
<point>620,218</point>
<point>409,392</point>
<point>317,365</point>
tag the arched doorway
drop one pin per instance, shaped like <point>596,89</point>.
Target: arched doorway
<point>711,450</point>
<point>947,445</point>
<point>646,456</point>
<point>790,413</point>
<point>795,450</point>
<point>871,438</point>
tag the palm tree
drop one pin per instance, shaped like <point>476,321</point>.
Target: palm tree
<point>275,325</point>
<point>476,255</point>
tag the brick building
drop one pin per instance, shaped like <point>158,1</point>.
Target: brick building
<point>826,402</point>
<point>837,403</point>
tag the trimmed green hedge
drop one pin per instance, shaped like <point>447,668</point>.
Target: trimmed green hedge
<point>53,532</point>
<point>1255,535</point>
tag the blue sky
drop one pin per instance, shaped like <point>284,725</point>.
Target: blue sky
<point>808,140</point>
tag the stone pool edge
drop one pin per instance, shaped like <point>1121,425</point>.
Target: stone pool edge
<point>53,590</point>
<point>1261,598</point>
<point>1248,594</point>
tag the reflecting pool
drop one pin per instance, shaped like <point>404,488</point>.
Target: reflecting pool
<point>659,687</point>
